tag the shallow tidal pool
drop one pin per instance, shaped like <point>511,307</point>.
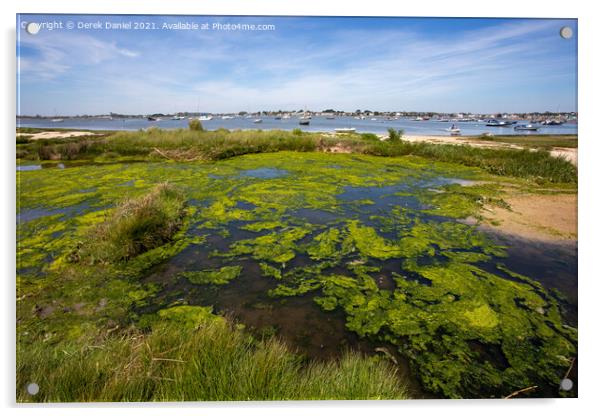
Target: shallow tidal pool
<point>335,252</point>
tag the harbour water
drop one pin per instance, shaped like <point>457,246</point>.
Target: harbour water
<point>379,125</point>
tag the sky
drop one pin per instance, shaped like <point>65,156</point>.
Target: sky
<point>344,63</point>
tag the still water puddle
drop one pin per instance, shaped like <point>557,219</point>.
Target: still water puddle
<point>264,173</point>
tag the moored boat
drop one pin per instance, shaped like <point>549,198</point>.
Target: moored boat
<point>551,123</point>
<point>526,127</point>
<point>497,123</point>
<point>345,130</point>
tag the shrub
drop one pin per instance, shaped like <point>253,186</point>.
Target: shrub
<point>369,136</point>
<point>23,138</point>
<point>297,131</point>
<point>394,135</point>
<point>195,125</point>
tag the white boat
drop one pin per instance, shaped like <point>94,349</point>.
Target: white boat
<point>257,121</point>
<point>286,117</point>
<point>177,118</point>
<point>373,119</point>
<point>497,123</point>
<point>453,130</point>
<point>304,119</point>
<point>57,120</point>
<point>227,117</point>
<point>205,118</point>
<point>526,127</point>
<point>551,123</point>
<point>330,117</point>
<point>345,130</point>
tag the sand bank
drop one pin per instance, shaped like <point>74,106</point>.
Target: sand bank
<point>549,218</point>
<point>45,135</point>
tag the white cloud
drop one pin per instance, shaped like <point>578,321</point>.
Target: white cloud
<point>345,69</point>
<point>57,53</point>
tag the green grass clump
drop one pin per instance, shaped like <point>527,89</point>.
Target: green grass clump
<point>203,358</point>
<point>394,135</point>
<point>369,136</point>
<point>135,226</point>
<point>195,125</point>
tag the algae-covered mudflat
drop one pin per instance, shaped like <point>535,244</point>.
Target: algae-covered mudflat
<point>372,273</point>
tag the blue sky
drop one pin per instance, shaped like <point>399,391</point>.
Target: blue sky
<point>403,64</point>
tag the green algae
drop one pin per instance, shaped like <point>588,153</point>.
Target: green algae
<point>277,247</point>
<point>190,316</point>
<point>440,310</point>
<point>270,271</point>
<point>458,201</point>
<point>221,276</point>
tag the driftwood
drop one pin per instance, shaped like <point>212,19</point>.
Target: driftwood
<point>181,159</point>
<point>162,154</point>
<point>516,393</point>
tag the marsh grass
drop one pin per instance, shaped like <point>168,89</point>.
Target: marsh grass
<point>135,226</point>
<point>533,164</point>
<point>188,145</point>
<point>213,361</point>
<point>535,141</point>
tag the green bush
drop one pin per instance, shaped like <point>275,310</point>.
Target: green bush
<point>23,138</point>
<point>297,131</point>
<point>394,135</point>
<point>369,136</point>
<point>195,125</point>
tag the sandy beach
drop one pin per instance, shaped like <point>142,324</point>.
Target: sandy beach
<point>542,217</point>
<point>45,135</point>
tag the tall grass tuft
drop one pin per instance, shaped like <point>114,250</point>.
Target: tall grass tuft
<point>135,226</point>
<point>214,361</point>
<point>394,135</point>
<point>195,125</point>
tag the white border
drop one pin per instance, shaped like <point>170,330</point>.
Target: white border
<point>589,177</point>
